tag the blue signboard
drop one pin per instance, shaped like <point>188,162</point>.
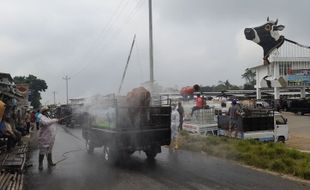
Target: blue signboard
<point>299,76</point>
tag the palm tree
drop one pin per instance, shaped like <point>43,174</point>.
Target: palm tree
<point>249,76</point>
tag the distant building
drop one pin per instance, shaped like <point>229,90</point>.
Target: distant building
<point>6,79</point>
<point>9,95</point>
<point>23,90</point>
<point>8,88</point>
<point>77,101</point>
<point>289,69</point>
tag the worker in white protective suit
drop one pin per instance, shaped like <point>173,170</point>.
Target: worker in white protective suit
<point>175,122</point>
<point>46,137</point>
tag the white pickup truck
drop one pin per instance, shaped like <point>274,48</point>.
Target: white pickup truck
<point>269,127</point>
<point>203,122</point>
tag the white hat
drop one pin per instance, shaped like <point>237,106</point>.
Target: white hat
<point>44,108</point>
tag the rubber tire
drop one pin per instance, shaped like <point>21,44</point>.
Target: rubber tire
<point>129,153</point>
<point>110,156</point>
<point>281,139</point>
<point>90,147</point>
<point>150,154</point>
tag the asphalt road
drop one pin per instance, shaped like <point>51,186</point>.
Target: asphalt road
<point>77,170</point>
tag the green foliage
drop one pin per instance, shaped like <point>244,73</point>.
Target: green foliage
<point>36,86</point>
<point>250,80</point>
<point>278,165</point>
<point>247,86</point>
<point>222,86</point>
<point>272,156</point>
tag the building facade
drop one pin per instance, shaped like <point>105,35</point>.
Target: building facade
<point>289,69</point>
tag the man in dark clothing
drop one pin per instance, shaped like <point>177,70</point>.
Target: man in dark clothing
<point>234,113</point>
<point>6,129</point>
<point>181,112</point>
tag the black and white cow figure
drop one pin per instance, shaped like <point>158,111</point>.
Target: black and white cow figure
<point>267,36</point>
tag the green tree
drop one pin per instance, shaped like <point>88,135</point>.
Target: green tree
<point>249,76</point>
<point>36,86</point>
<point>220,88</point>
<point>226,86</point>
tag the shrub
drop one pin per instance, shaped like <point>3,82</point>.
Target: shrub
<point>278,165</point>
<point>307,173</point>
<point>294,154</point>
<point>272,156</point>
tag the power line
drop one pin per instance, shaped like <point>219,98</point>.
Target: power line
<point>109,27</point>
<point>116,14</point>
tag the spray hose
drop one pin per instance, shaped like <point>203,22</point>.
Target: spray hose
<point>64,155</point>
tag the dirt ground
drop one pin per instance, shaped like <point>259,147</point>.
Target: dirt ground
<point>299,131</point>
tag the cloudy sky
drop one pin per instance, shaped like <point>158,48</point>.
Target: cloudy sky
<point>195,41</point>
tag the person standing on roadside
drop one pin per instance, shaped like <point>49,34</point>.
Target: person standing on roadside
<point>6,129</point>
<point>32,120</point>
<point>234,114</point>
<point>181,113</point>
<point>37,119</point>
<point>27,121</point>
<point>46,137</point>
<point>175,122</point>
<point>2,109</point>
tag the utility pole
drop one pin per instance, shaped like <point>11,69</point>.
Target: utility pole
<point>67,78</point>
<point>54,92</point>
<point>151,43</point>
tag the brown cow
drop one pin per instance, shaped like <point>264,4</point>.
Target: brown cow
<point>138,101</point>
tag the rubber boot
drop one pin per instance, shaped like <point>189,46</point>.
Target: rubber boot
<point>176,144</point>
<point>41,158</point>
<point>171,144</point>
<point>49,160</point>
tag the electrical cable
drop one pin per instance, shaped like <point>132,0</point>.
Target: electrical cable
<point>113,22</point>
<point>70,151</point>
<point>115,16</point>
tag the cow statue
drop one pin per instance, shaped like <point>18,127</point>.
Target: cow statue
<point>138,101</point>
<point>267,36</point>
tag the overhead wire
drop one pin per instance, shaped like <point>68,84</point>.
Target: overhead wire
<point>104,32</point>
<point>138,57</point>
<point>128,20</point>
<point>102,41</point>
<point>132,13</point>
<point>137,49</point>
<point>95,41</point>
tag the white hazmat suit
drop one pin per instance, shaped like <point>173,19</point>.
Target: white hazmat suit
<point>175,122</point>
<point>46,138</point>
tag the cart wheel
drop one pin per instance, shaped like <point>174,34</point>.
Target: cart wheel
<point>108,154</point>
<point>130,152</point>
<point>151,154</point>
<point>125,154</point>
<point>90,147</point>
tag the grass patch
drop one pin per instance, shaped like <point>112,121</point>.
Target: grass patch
<point>272,156</point>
